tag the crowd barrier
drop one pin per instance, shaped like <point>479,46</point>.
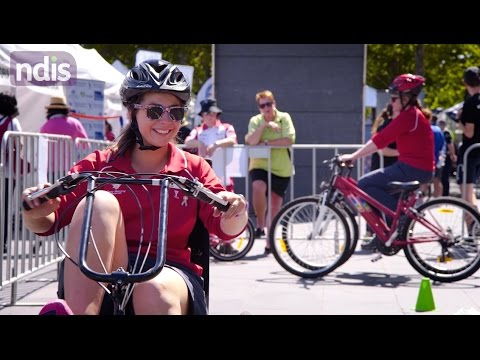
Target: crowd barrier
<point>40,158</point>
<point>49,157</point>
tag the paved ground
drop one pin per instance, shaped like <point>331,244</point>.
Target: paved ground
<point>259,286</point>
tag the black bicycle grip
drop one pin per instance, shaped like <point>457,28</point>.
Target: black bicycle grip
<point>213,199</point>
<point>44,195</point>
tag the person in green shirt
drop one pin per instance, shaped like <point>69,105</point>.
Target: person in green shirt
<point>271,127</point>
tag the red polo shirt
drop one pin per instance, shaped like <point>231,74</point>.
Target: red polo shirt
<point>182,210</point>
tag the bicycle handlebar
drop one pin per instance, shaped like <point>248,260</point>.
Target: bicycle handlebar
<point>192,188</point>
<point>67,184</point>
<point>335,161</point>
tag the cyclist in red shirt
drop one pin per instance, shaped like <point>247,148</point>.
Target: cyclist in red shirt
<point>155,93</point>
<point>411,131</point>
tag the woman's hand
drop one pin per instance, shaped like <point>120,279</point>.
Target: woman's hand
<point>238,205</point>
<point>346,158</point>
<point>39,209</point>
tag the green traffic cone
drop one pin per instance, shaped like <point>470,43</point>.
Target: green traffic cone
<point>425,297</point>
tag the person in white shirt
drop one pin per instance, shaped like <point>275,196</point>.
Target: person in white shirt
<point>211,134</point>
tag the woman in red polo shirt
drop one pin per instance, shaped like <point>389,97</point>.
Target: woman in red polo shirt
<point>414,137</point>
<point>155,93</point>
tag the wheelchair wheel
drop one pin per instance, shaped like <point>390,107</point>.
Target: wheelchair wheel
<point>233,249</point>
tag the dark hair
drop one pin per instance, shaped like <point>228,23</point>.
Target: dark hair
<point>387,113</point>
<point>108,125</point>
<point>471,76</point>
<point>51,112</point>
<point>8,105</point>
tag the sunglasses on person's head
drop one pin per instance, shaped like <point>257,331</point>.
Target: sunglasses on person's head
<point>262,106</point>
<point>155,112</point>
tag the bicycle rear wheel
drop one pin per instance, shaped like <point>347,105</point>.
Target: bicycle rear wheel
<point>234,249</point>
<point>446,260</point>
<point>294,244</point>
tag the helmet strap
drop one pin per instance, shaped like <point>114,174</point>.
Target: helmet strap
<point>411,101</point>
<point>138,136</point>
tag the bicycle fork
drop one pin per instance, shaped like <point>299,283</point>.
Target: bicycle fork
<point>321,222</point>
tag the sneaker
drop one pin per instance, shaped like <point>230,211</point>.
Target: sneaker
<point>267,251</point>
<point>369,244</point>
<point>259,232</point>
<point>56,307</point>
<point>227,249</point>
<point>368,235</point>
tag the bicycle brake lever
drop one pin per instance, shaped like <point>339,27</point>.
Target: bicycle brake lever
<point>62,186</point>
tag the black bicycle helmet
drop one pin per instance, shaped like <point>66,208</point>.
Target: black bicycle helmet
<point>407,84</point>
<point>154,75</point>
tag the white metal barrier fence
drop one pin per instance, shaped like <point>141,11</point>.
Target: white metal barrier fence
<point>49,157</point>
<point>40,158</point>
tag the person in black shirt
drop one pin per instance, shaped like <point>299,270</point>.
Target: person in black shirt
<point>470,124</point>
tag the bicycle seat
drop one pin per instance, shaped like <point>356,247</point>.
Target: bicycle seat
<point>404,186</point>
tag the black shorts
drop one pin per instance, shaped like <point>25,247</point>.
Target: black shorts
<point>473,167</point>
<point>279,184</point>
<point>197,304</point>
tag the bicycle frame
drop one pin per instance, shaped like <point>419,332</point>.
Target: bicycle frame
<point>120,278</point>
<point>362,203</point>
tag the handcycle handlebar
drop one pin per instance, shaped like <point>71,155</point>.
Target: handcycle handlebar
<point>62,186</point>
<point>192,188</point>
<point>67,184</point>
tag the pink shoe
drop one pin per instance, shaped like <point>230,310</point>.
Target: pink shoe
<point>56,307</point>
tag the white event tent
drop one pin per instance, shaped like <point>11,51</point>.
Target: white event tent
<point>33,99</point>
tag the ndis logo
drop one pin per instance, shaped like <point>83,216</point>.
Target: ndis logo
<point>42,68</point>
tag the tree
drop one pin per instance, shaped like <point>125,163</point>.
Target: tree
<point>197,55</point>
<point>442,64</point>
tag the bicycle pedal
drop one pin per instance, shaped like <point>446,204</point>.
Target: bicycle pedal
<point>376,258</point>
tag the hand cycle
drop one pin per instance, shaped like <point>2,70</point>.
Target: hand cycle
<point>120,279</point>
<point>312,236</point>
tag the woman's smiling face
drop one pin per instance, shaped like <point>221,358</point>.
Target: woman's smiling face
<point>161,131</point>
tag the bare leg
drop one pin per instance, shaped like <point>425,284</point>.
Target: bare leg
<point>471,198</point>
<point>259,189</point>
<point>437,187</point>
<point>470,194</point>
<point>166,294</point>
<point>275,206</point>
<point>84,296</point>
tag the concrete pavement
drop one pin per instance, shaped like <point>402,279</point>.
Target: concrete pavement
<point>258,285</point>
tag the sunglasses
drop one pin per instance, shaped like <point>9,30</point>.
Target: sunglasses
<point>155,112</point>
<point>394,98</point>
<point>262,106</point>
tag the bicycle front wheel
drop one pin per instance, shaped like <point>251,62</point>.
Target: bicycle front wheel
<point>454,255</point>
<point>309,240</point>
<point>234,249</point>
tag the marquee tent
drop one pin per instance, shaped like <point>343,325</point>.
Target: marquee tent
<point>33,99</point>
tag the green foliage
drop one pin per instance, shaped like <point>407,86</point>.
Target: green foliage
<point>197,55</point>
<point>443,65</point>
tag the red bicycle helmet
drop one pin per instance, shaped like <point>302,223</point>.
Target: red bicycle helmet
<point>407,84</point>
